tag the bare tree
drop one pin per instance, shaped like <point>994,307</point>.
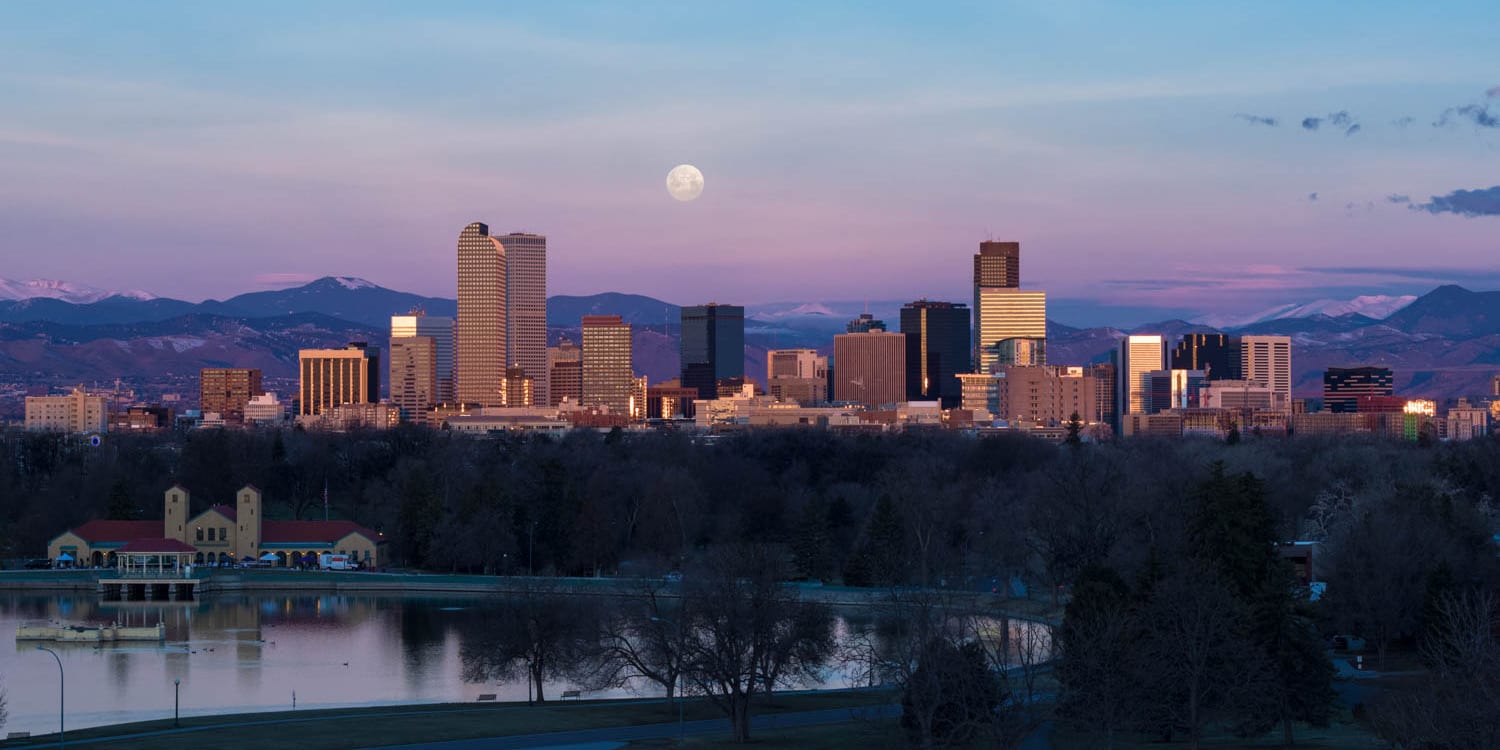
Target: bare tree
<point>541,633</point>
<point>643,639</point>
<point>747,633</point>
<point>1098,687</point>
<point>1454,706</point>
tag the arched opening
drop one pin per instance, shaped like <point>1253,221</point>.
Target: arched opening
<point>98,559</point>
<point>198,559</point>
<point>224,558</point>
<point>281,559</point>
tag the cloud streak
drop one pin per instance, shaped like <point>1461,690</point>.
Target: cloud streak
<point>1480,115</point>
<point>1467,203</point>
<point>1269,122</point>
<point>1340,119</point>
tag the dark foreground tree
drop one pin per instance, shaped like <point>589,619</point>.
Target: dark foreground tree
<point>746,633</point>
<point>540,633</point>
<point>642,640</point>
<point>952,697</point>
<point>1095,642</point>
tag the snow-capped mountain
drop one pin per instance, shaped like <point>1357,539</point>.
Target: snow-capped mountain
<point>78,294</point>
<point>1374,306</point>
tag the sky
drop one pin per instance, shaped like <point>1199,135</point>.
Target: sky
<point>1176,157</point>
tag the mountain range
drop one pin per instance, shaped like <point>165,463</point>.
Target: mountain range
<point>1443,344</point>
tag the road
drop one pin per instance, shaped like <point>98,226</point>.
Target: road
<point>614,736</point>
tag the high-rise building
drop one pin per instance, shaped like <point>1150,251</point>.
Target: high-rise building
<point>997,265</point>
<point>1174,389</point>
<point>1020,353</point>
<point>865,323</point>
<point>799,375</point>
<point>871,367</point>
<point>1216,354</point>
<point>76,412</point>
<point>1140,355</point>
<point>1268,360</point>
<point>225,391</point>
<point>520,388</point>
<point>413,376</point>
<point>565,373</point>
<point>937,350</point>
<point>1105,401</point>
<point>713,346</point>
<point>1045,395</point>
<point>479,338</point>
<point>639,389</point>
<point>334,377</point>
<point>440,330</point>
<point>526,308</point>
<point>1495,386</point>
<point>1003,313</point>
<point>608,378</point>
<point>1342,386</point>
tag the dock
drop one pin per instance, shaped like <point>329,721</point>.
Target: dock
<point>91,633</point>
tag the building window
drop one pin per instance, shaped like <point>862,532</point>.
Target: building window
<point>200,533</point>
<point>223,534</point>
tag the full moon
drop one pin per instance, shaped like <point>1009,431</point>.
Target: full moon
<point>685,182</point>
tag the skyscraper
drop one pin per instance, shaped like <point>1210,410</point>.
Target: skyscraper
<point>712,346</point>
<point>1217,354</point>
<point>1174,389</point>
<point>937,350</point>
<point>565,373</point>
<point>1267,360</point>
<point>1140,355</point>
<point>480,348</point>
<point>440,330</point>
<point>526,308</point>
<point>334,377</point>
<point>871,367</point>
<point>799,375</point>
<point>865,322</point>
<point>225,391</point>
<point>1008,313</point>
<point>997,265</point>
<point>1343,386</point>
<point>608,378</point>
<point>413,375</point>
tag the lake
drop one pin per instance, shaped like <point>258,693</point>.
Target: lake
<point>253,652</point>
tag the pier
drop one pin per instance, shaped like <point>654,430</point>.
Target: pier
<point>151,570</point>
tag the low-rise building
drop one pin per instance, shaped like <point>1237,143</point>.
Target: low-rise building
<point>77,412</point>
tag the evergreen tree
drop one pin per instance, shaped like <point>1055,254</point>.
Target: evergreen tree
<point>810,544</point>
<point>1075,429</point>
<point>885,544</point>
<point>120,506</point>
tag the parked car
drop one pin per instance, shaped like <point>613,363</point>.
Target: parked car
<point>38,564</point>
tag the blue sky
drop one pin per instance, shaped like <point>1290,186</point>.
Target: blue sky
<point>849,150</point>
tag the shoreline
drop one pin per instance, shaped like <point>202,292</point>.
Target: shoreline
<point>230,581</point>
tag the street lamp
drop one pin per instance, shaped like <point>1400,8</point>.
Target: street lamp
<point>60,685</point>
<point>681,677</point>
<point>176,702</point>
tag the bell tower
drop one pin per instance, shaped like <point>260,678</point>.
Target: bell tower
<point>174,517</point>
<point>247,522</point>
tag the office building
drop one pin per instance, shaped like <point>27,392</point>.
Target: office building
<point>1105,401</point>
<point>479,337</point>
<point>1239,394</point>
<point>670,400</point>
<point>997,265</point>
<point>639,389</point>
<point>1045,395</point>
<point>334,377</point>
<point>864,324</point>
<point>937,350</point>
<point>1343,386</point>
<point>608,378</point>
<point>440,330</point>
<point>225,391</point>
<point>799,375</point>
<point>520,389</point>
<point>1268,360</point>
<point>526,308</point>
<point>265,409</point>
<point>76,412</point>
<point>1021,353</point>
<point>1174,389</point>
<point>1467,422</point>
<point>1140,355</point>
<point>1216,354</point>
<point>871,367</point>
<point>1002,313</point>
<point>712,346</point>
<point>413,376</point>
<point>565,373</point>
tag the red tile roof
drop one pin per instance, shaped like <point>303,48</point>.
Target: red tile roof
<point>224,510</point>
<point>119,531</point>
<point>311,532</point>
<point>156,546</point>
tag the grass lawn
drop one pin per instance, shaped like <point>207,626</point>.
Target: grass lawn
<point>393,725</point>
<point>882,734</point>
<point>1342,734</point>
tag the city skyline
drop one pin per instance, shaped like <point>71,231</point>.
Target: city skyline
<point>297,149</point>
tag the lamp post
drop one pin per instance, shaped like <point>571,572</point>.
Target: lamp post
<point>61,738</point>
<point>176,702</point>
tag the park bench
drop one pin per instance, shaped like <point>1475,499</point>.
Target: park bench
<point>483,697</point>
<point>574,694</point>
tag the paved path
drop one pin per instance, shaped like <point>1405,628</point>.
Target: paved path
<point>614,736</point>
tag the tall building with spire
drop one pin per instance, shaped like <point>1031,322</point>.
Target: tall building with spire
<point>480,346</point>
<point>526,309</point>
